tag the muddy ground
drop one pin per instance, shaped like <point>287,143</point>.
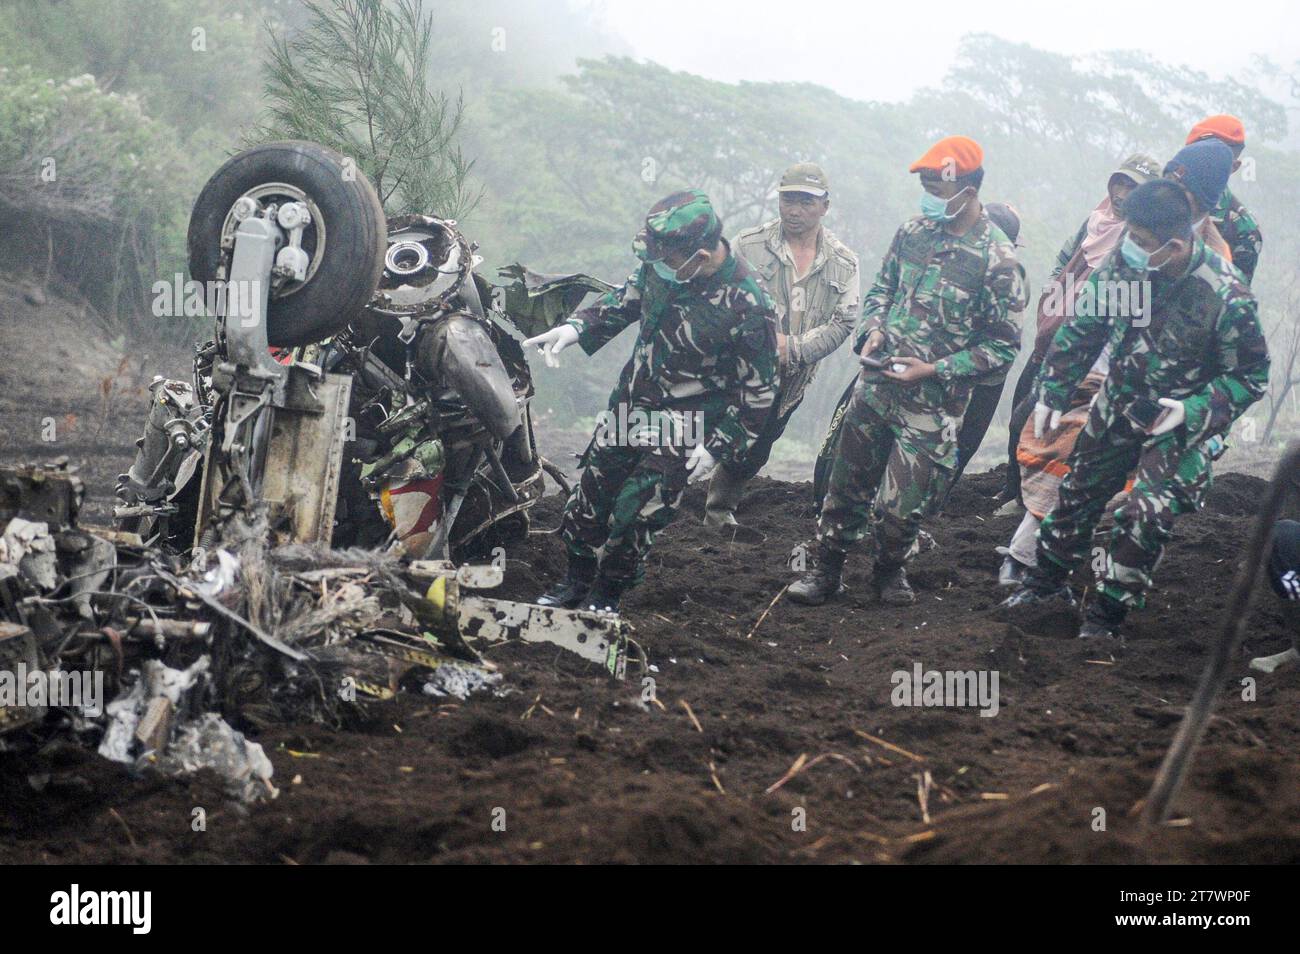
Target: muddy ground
<point>585,771</point>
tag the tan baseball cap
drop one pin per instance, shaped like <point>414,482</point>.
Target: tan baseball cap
<point>1139,167</point>
<point>805,177</point>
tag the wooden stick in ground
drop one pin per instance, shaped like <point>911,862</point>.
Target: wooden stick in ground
<point>691,712</point>
<point>713,774</point>
<point>889,745</point>
<point>790,773</point>
<point>803,763</point>
<point>923,783</point>
<point>766,611</point>
<point>126,828</point>
<point>1179,757</point>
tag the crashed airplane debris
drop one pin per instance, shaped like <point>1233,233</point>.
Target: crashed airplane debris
<point>286,531</point>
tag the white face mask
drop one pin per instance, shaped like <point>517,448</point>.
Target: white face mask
<point>935,207</point>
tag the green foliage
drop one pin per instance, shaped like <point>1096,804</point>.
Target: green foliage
<point>134,102</point>
<point>354,79</point>
<point>92,169</point>
<point>72,151</point>
<point>180,57</point>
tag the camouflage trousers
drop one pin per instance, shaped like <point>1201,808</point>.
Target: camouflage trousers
<point>880,482</point>
<point>625,496</point>
<point>1169,479</point>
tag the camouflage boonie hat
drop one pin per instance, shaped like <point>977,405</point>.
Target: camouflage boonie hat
<point>684,220</point>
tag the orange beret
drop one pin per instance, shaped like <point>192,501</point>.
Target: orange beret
<point>1225,127</point>
<point>958,155</point>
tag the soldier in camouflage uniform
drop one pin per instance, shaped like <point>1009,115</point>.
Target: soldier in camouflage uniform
<point>703,373</point>
<point>1182,369</point>
<point>940,316</point>
<point>1233,220</point>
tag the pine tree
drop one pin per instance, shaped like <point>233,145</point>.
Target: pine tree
<point>355,78</point>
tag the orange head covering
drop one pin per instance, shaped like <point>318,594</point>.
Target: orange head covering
<point>953,155</point>
<point>1224,127</point>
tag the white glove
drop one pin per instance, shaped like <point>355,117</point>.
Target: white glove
<point>552,342</point>
<point>700,464</point>
<point>1045,417</point>
<point>1170,419</point>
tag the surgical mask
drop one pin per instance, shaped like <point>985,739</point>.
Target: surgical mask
<point>667,273</point>
<point>1136,255</point>
<point>672,275</point>
<point>936,209</point>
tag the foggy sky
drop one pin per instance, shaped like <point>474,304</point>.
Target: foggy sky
<point>885,51</point>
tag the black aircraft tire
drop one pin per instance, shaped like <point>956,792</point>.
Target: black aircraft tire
<point>347,272</point>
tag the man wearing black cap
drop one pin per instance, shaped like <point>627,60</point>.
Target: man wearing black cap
<point>813,279</point>
<point>1183,367</point>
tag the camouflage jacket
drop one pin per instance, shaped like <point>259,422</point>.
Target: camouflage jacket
<point>1240,231</point>
<point>830,291</point>
<point>706,346</point>
<point>1198,340</point>
<point>950,300</point>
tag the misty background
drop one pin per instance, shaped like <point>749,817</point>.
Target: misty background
<point>577,116</point>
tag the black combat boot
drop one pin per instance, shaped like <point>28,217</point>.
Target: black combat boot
<point>821,582</point>
<point>573,589</point>
<point>1043,585</point>
<point>1103,618</point>
<point>605,595</point>
<point>725,491</point>
<point>890,584</point>
<point>1012,572</point>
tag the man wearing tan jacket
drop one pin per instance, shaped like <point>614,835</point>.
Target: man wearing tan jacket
<point>813,279</point>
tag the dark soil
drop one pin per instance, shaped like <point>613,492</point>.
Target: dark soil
<point>580,769</point>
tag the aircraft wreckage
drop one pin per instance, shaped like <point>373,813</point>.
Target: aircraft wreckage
<point>287,536</point>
